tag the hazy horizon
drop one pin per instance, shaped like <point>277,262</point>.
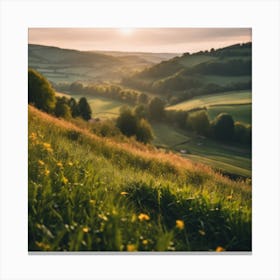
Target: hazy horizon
<point>153,40</point>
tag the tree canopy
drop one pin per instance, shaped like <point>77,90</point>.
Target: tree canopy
<point>223,127</point>
<point>156,109</point>
<point>40,92</point>
<point>84,109</point>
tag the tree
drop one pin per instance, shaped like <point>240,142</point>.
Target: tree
<point>223,127</point>
<point>62,109</point>
<point>76,87</point>
<point>143,98</point>
<point>140,111</point>
<point>84,109</point>
<point>127,122</point>
<point>144,132</point>
<point>199,122</point>
<point>74,107</point>
<point>156,109</point>
<point>242,133</point>
<point>40,92</point>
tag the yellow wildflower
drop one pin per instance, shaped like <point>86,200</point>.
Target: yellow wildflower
<point>143,217</point>
<point>70,163</point>
<point>103,217</point>
<point>145,242</point>
<point>180,224</point>
<point>201,232</point>
<point>33,136</point>
<point>92,201</point>
<point>131,248</point>
<point>41,162</point>
<point>85,229</point>
<point>59,164</point>
<point>64,180</point>
<point>43,246</point>
<point>47,147</point>
<point>124,193</point>
<point>220,249</point>
<point>229,197</point>
<point>47,172</point>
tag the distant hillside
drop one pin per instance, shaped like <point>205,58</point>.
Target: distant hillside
<point>148,57</point>
<point>65,65</point>
<point>204,72</point>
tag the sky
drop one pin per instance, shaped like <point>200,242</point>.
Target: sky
<point>170,40</point>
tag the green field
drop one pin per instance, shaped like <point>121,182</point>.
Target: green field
<point>104,108</point>
<point>227,159</point>
<point>237,103</point>
<point>241,112</point>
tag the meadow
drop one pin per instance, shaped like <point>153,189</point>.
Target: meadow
<point>237,103</point>
<point>88,193</point>
<point>225,158</point>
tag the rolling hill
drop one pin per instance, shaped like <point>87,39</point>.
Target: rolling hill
<point>66,65</point>
<point>204,72</point>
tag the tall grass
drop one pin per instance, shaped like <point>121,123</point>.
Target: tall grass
<point>88,193</point>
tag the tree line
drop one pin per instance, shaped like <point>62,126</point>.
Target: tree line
<point>42,96</point>
<point>223,128</point>
<point>116,92</point>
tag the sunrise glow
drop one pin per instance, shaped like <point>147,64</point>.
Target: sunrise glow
<point>126,31</point>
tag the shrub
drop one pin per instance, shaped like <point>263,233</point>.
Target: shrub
<point>199,122</point>
<point>127,122</point>
<point>62,109</point>
<point>144,131</point>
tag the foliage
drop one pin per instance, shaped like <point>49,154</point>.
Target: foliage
<point>199,122</point>
<point>127,122</point>
<point>223,127</point>
<point>74,107</point>
<point>143,98</point>
<point>84,109</point>
<point>62,109</point>
<point>141,111</point>
<point>242,133</point>
<point>156,109</point>
<point>233,67</point>
<point>40,92</point>
<point>144,132</point>
<point>132,124</point>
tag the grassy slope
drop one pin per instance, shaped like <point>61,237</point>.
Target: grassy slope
<point>87,193</point>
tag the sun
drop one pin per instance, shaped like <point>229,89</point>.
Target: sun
<point>126,31</point>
